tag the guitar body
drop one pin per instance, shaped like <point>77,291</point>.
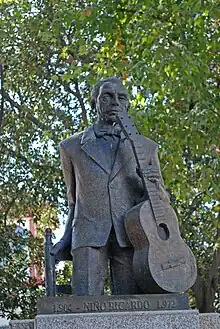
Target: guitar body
<point>162,261</point>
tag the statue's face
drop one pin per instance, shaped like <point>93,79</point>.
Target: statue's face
<point>112,99</point>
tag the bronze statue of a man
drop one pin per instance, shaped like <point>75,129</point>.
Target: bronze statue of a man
<point>102,185</point>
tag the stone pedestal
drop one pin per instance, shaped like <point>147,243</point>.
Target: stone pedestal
<point>186,319</point>
<point>209,320</point>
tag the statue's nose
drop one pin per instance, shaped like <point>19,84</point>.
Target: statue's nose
<point>115,100</point>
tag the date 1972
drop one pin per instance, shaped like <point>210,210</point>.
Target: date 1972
<point>166,304</point>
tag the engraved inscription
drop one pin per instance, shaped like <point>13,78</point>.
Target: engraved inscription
<point>166,304</point>
<point>62,308</point>
<point>25,325</point>
<point>131,305</point>
<point>98,304</point>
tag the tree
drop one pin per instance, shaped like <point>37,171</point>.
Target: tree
<point>52,53</point>
<point>19,291</point>
<point>20,252</point>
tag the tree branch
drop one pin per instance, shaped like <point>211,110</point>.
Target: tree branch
<point>194,205</point>
<point>77,94</point>
<point>15,155</point>
<point>2,94</point>
<point>205,290</point>
<point>79,97</point>
<point>29,116</point>
<point>213,271</point>
<point>12,202</point>
<point>198,290</point>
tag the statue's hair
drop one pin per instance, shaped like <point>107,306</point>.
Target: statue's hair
<point>95,90</point>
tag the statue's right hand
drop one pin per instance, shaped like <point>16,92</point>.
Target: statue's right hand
<point>59,246</point>
<point>61,249</point>
<point>64,243</point>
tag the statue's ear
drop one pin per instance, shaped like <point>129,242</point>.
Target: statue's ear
<point>93,105</point>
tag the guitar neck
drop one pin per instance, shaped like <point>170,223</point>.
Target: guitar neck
<point>149,187</point>
<point>145,170</point>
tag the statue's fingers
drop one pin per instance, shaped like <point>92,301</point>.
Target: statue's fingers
<point>54,251</point>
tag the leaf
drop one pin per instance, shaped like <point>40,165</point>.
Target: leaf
<point>55,77</point>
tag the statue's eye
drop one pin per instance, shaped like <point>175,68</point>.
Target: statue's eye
<point>122,98</point>
<point>105,97</point>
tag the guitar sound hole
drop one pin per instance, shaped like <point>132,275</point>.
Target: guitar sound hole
<point>163,231</point>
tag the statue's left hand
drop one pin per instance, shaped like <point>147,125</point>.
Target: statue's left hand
<point>154,177</point>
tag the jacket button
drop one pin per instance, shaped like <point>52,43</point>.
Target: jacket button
<point>111,185</point>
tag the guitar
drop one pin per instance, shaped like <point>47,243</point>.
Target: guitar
<point>162,261</point>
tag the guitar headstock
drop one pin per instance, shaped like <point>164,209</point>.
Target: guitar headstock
<point>128,127</point>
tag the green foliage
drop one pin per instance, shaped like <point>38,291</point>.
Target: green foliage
<point>63,276</point>
<point>166,53</point>
<point>19,291</point>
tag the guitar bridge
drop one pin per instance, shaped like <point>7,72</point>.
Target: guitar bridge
<point>174,263</point>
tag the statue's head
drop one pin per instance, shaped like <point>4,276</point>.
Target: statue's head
<point>109,97</point>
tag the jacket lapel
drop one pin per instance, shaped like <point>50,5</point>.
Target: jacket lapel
<point>93,149</point>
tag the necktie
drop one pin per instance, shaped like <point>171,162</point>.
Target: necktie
<point>108,131</point>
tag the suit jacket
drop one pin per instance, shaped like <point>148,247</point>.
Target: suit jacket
<point>100,197</point>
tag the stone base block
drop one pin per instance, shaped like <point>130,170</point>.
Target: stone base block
<point>185,319</point>
<point>21,324</point>
<point>209,320</point>
<point>126,320</point>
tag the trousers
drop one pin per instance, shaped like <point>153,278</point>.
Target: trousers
<point>90,269</point>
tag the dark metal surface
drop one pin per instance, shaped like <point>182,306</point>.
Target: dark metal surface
<point>102,183</point>
<point>92,304</point>
<point>90,280</point>
<point>50,279</point>
<point>64,289</point>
